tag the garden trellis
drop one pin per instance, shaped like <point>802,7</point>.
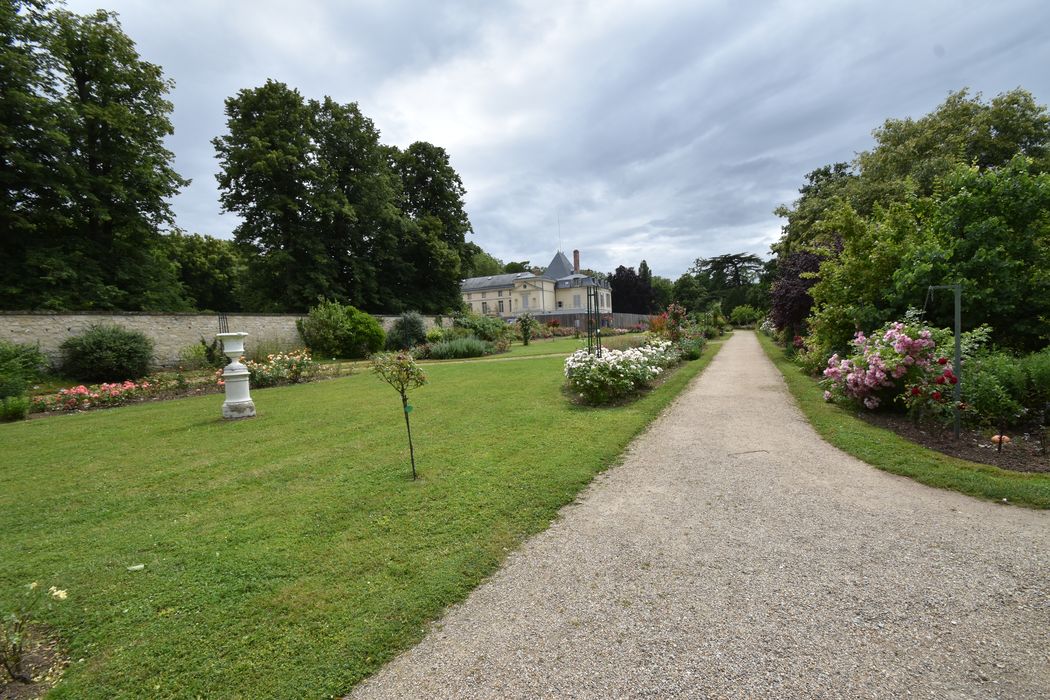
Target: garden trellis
<point>594,323</point>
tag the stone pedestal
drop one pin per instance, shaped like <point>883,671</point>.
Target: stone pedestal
<point>238,402</point>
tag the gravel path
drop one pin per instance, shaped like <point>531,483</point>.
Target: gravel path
<point>734,554</point>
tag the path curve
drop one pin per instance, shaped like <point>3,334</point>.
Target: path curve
<point>735,554</point>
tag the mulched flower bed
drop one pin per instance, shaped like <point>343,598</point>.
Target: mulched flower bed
<point>44,662</point>
<point>1021,454</point>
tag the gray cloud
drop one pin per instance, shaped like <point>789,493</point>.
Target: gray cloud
<point>665,131</point>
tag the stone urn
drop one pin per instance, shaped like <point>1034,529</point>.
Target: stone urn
<point>238,402</point>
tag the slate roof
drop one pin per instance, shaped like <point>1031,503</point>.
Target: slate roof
<point>474,284</point>
<point>584,281</point>
<point>560,267</point>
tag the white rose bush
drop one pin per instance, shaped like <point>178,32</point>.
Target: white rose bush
<point>618,374</point>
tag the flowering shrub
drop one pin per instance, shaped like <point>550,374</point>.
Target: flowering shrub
<point>618,373</point>
<point>899,362</point>
<point>289,367</point>
<point>676,318</point>
<point>82,397</point>
<point>658,324</point>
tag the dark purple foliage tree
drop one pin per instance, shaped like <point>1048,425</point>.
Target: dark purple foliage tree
<point>790,301</point>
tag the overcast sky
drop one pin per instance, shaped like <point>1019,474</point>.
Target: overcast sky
<point>658,130</point>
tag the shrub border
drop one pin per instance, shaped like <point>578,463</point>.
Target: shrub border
<point>885,450</point>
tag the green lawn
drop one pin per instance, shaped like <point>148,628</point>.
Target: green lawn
<point>545,346</point>
<point>289,555</point>
<point>885,450</point>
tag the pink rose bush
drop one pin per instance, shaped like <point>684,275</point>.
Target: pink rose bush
<point>899,362</point>
<point>83,397</point>
<point>618,373</point>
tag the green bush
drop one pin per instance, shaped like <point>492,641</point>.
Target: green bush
<point>1037,374</point>
<point>213,350</point>
<point>692,348</point>
<point>24,360</point>
<point>456,348</point>
<point>408,331</point>
<point>14,408</point>
<point>332,329</point>
<point>746,315</point>
<point>194,357</point>
<point>993,387</point>
<point>107,353</point>
<point>12,382</point>
<point>487,328</point>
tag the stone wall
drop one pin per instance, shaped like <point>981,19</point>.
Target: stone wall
<point>170,332</point>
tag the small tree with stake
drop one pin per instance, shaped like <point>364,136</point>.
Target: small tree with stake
<point>528,325</point>
<point>400,371</point>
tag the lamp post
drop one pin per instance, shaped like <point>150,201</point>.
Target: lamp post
<point>238,403</point>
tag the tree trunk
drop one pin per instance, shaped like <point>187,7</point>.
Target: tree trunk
<point>408,428</point>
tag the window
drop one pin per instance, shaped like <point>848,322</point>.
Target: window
<point>499,293</point>
<point>469,297</point>
<point>483,295</point>
<point>484,307</point>
<point>524,301</point>
<point>501,304</point>
<point>576,300</point>
<point>560,304</point>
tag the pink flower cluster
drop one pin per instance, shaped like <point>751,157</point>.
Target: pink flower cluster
<point>79,397</point>
<point>879,365</point>
<point>914,350</point>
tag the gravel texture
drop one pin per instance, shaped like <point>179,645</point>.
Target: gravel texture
<point>734,554</point>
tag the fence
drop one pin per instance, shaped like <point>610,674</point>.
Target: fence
<point>609,320</point>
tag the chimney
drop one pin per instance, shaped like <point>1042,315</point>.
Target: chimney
<point>576,262</point>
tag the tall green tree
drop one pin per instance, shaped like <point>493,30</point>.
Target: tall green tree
<point>733,279</point>
<point>117,116</point>
<point>988,231</point>
<point>688,292</point>
<point>369,237</point>
<point>269,176</point>
<point>432,188</point>
<point>663,292</point>
<point>955,195</point>
<point>630,293</point>
<point>32,141</point>
<point>328,210</point>
<point>910,155</point>
<point>85,175</point>
<point>210,270</point>
<point>824,187</point>
<point>478,263</point>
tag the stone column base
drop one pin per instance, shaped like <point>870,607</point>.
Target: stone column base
<point>238,409</point>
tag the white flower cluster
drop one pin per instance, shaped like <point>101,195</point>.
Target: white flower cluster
<point>618,373</point>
